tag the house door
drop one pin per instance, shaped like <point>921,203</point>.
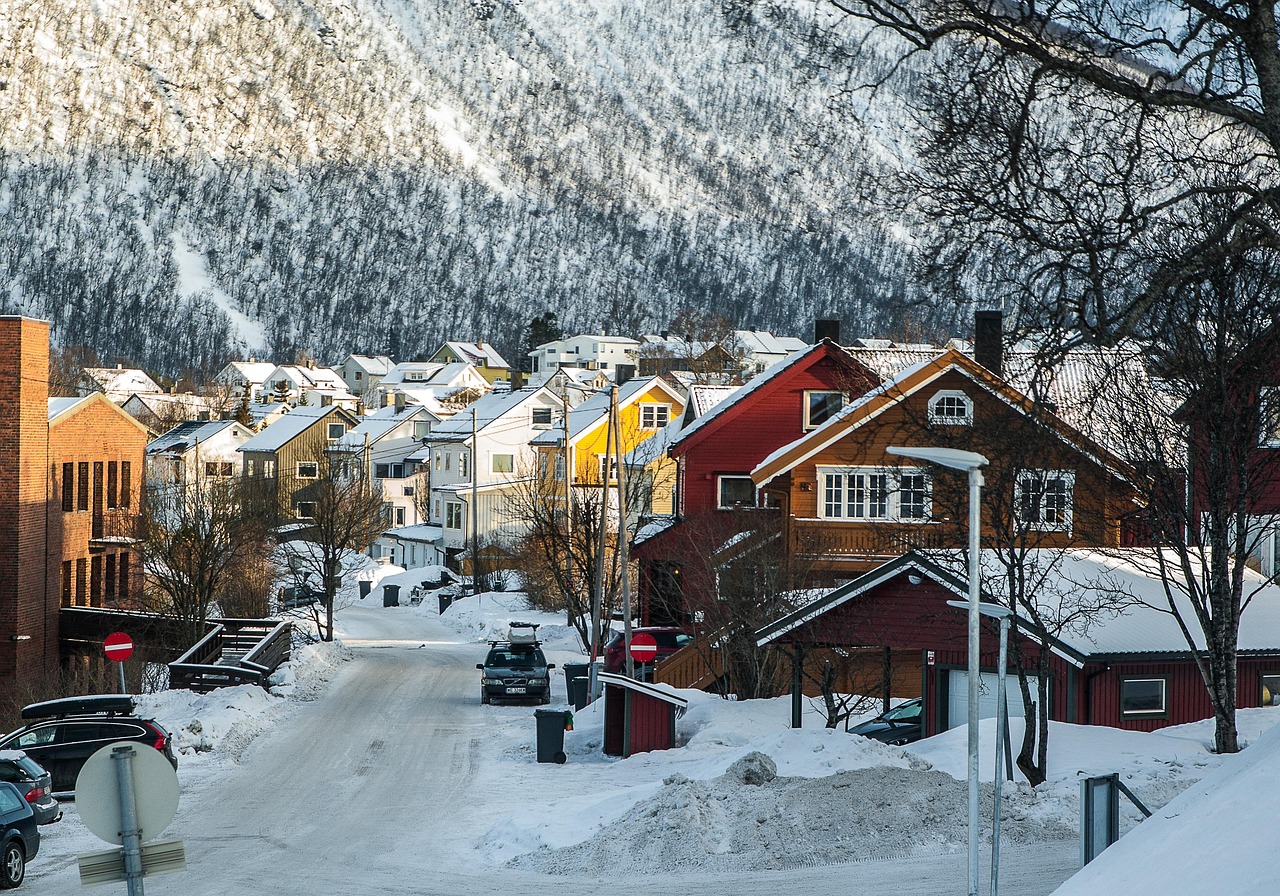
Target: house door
<point>958,696</point>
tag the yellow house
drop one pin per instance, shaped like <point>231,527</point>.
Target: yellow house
<point>645,407</point>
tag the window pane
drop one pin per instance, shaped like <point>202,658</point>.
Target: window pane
<point>913,496</point>
<point>1270,690</point>
<point>1142,695</point>
<point>737,491</point>
<point>833,492</point>
<point>878,496</point>
<point>823,406</point>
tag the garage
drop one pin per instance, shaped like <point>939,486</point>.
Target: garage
<point>988,682</point>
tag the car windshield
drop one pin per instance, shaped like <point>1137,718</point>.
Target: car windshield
<point>516,658</point>
<point>907,712</point>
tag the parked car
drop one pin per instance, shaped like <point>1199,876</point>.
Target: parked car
<point>903,724</point>
<point>33,782</point>
<point>19,836</point>
<point>669,638</point>
<point>63,734</point>
<point>516,668</point>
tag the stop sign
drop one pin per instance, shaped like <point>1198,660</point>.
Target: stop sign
<point>643,647</point>
<point>118,647</point>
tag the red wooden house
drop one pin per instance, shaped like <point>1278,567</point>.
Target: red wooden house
<point>1130,668</point>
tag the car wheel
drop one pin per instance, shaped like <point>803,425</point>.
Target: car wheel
<point>546,698</point>
<point>13,865</point>
<point>484,697</point>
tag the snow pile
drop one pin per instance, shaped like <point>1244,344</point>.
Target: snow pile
<point>488,616</point>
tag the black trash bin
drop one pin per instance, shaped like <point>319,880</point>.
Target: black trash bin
<point>391,595</point>
<point>579,691</point>
<point>365,587</point>
<point>550,735</point>
<point>446,601</point>
<point>572,671</point>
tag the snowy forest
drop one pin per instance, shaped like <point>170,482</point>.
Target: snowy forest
<point>182,182</point>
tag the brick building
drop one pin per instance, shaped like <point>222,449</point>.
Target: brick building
<point>71,473</point>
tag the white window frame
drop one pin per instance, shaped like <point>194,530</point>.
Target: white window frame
<point>946,396</point>
<point>340,427</point>
<point>548,413</point>
<point>1161,713</point>
<point>509,467</point>
<point>721,505</point>
<point>654,415</point>
<point>1067,523</point>
<point>464,463</point>
<point>297,509</point>
<point>613,468</point>
<point>315,465</point>
<point>838,485</point>
<point>453,513</point>
<point>807,409</point>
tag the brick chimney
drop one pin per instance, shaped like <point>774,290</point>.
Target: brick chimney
<point>988,340</point>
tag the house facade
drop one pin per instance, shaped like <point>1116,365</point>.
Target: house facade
<point>195,451</point>
<point>481,355</point>
<point>290,454</point>
<point>241,376</point>
<point>586,352</point>
<point>307,384</point>
<point>362,373</point>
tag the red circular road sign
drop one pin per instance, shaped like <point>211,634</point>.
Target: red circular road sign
<point>643,647</point>
<point>118,646</point>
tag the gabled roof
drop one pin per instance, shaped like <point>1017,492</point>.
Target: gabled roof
<point>289,427</point>
<point>251,371</point>
<point>312,377</point>
<point>377,424</point>
<point>482,354</point>
<point>185,435</point>
<point>122,380</point>
<point>588,415</point>
<point>62,409</point>
<point>762,342</point>
<point>758,385</point>
<point>375,365</point>
<point>488,411</point>
<point>907,383</point>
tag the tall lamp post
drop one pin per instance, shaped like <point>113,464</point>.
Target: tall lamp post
<point>972,464</point>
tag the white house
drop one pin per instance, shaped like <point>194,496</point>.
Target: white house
<point>362,373</point>
<point>488,363</point>
<point>587,352</point>
<point>238,376</point>
<point>309,385</point>
<point>195,451</point>
<point>117,383</point>
<point>382,444</point>
<point>760,348</point>
<point>488,463</point>
<point>427,382</point>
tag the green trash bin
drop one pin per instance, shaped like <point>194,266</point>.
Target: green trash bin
<point>550,735</point>
<point>572,671</point>
<point>579,691</point>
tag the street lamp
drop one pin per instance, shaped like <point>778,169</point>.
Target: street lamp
<point>1001,613</point>
<point>971,463</point>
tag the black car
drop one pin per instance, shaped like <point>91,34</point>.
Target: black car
<point>63,734</point>
<point>19,836</point>
<point>33,782</point>
<point>903,724</point>
<point>516,669</point>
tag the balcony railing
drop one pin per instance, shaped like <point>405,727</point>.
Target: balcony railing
<point>844,540</point>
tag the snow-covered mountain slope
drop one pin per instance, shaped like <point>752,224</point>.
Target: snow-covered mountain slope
<point>181,179</point>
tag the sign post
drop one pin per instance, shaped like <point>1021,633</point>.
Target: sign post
<point>118,647</point>
<point>644,650</point>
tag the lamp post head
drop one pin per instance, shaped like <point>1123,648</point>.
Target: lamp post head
<point>946,457</point>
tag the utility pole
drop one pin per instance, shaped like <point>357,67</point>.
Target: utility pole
<point>622,536</point>
<point>598,601</point>
<point>568,496</point>
<point>475,508</point>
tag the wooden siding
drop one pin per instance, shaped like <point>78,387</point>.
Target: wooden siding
<point>651,724</point>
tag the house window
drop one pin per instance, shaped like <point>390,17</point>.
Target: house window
<point>1043,499</point>
<point>1270,688</point>
<point>337,431</point>
<point>542,416</point>
<point>600,468</point>
<point>388,471</point>
<point>436,513</point>
<point>113,483</point>
<point>654,416</point>
<point>308,469</point>
<point>452,515</point>
<point>82,485</point>
<point>736,491</point>
<point>66,583</point>
<point>82,579</point>
<point>868,493</point>
<point>819,407</point>
<point>1270,407</point>
<point>448,457</point>
<point>269,468</point>
<point>463,464</point>
<point>951,408</point>
<point>1144,698</point>
<point>217,469</point>
<point>109,580</point>
<point>421,429</point>
<point>124,576</point>
<point>504,463</point>
<point>1262,544</point>
<point>68,487</point>
<point>399,516</point>
<point>306,510</point>
<point>559,467</point>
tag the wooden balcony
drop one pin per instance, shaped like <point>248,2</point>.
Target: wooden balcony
<point>846,541</point>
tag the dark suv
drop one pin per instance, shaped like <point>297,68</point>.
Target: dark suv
<point>669,639</point>
<point>516,669</point>
<point>65,733</point>
<point>33,782</point>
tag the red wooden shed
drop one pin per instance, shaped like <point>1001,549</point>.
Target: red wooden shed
<point>638,716</point>
<point>1128,668</point>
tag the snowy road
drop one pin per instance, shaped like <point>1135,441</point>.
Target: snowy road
<point>381,787</point>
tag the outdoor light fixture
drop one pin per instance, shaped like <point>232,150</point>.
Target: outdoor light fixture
<point>19,637</point>
<point>971,463</point>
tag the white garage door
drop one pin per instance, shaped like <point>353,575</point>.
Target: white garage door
<point>958,696</point>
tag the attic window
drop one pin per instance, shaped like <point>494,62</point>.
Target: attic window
<point>337,431</point>
<point>819,407</point>
<point>654,416</point>
<point>951,408</point>
<point>308,470</point>
<point>542,416</point>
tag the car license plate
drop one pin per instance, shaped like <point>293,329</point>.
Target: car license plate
<point>515,690</point>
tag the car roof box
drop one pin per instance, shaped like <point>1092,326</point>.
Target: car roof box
<point>524,633</point>
<point>90,703</point>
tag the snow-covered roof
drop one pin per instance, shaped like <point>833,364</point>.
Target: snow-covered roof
<point>59,406</point>
<point>311,377</point>
<point>479,353</point>
<point>653,529</point>
<point>762,342</point>
<point>287,428</point>
<point>377,424</point>
<point>590,412</point>
<point>121,380</point>
<point>252,371</point>
<point>488,410</point>
<point>187,434</point>
<point>890,360</point>
<point>375,365</point>
<point>420,533</point>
